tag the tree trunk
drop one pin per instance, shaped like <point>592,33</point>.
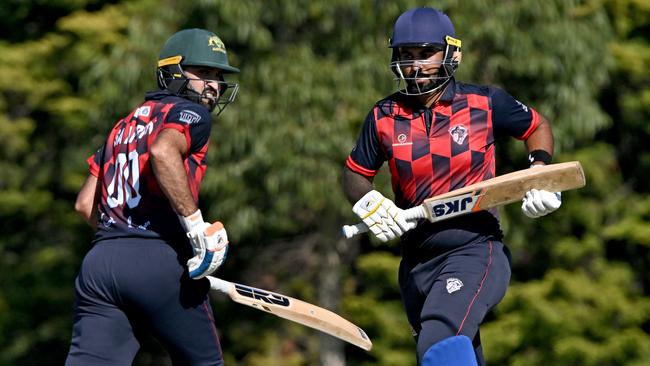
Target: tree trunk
<point>329,293</point>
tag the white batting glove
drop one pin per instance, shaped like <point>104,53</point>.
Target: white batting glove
<point>538,203</point>
<point>209,243</point>
<point>383,218</point>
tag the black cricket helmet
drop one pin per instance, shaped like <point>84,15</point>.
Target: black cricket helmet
<point>199,48</point>
<point>424,28</point>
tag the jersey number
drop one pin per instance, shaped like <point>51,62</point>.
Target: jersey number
<point>126,181</point>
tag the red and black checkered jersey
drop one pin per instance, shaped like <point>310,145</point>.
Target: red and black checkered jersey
<point>435,150</point>
<point>132,203</point>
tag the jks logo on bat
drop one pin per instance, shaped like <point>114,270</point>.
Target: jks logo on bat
<point>454,206</point>
<point>258,294</point>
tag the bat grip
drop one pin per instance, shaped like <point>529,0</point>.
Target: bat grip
<point>411,214</point>
<point>349,231</point>
<point>415,213</point>
<point>219,284</point>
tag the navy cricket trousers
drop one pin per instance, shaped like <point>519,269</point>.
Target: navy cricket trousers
<point>128,286</point>
<point>452,293</point>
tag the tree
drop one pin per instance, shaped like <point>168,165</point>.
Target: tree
<point>310,72</point>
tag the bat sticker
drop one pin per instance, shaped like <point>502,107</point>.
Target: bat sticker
<point>258,294</point>
<point>456,205</point>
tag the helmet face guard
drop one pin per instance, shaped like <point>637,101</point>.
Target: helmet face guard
<point>198,48</point>
<point>407,82</point>
<point>424,28</point>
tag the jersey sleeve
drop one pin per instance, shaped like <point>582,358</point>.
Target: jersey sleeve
<point>193,121</point>
<point>512,117</point>
<point>94,162</point>
<point>366,157</point>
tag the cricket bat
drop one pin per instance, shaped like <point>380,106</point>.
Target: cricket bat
<point>295,310</point>
<point>490,193</point>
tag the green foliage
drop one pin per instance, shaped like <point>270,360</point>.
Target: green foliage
<point>569,318</point>
<point>628,99</point>
<point>310,72</point>
<point>544,54</point>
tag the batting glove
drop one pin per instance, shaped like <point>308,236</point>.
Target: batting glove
<point>209,244</point>
<point>385,220</point>
<point>537,203</point>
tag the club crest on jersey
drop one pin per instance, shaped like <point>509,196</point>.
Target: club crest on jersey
<point>458,134</point>
<point>189,117</point>
<point>143,111</point>
<point>453,284</point>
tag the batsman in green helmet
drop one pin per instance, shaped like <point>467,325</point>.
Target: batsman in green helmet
<point>146,271</point>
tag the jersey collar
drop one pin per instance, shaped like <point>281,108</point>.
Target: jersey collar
<point>449,92</point>
<point>157,95</point>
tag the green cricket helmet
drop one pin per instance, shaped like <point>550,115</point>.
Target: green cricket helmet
<point>198,48</point>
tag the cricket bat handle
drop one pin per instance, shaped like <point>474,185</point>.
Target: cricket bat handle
<point>411,214</point>
<point>219,285</point>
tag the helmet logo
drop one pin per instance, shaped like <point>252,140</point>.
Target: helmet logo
<point>453,41</point>
<point>216,44</point>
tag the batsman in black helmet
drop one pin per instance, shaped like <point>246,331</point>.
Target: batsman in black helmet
<point>438,135</point>
<point>152,249</point>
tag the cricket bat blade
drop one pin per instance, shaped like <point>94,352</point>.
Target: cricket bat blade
<point>295,310</point>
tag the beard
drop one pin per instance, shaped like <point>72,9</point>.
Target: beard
<point>427,82</point>
<point>209,99</point>
<point>413,86</point>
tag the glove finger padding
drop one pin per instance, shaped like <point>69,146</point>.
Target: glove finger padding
<point>385,220</point>
<point>378,226</point>
<point>401,221</point>
<point>210,245</point>
<point>538,203</point>
<point>382,233</point>
<point>389,219</point>
<point>553,200</point>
